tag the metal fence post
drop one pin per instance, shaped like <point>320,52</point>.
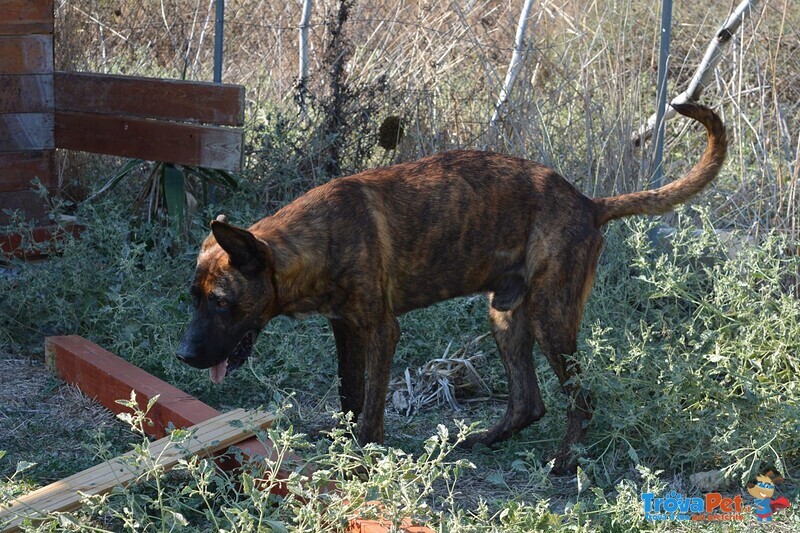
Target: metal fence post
<point>661,90</point>
<point>219,24</point>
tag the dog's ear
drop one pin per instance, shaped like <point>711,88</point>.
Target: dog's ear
<point>210,240</point>
<point>248,253</point>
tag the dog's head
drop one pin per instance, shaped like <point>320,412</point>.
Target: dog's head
<point>233,296</point>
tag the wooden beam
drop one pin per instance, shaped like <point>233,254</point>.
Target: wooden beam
<point>26,93</point>
<point>26,131</point>
<point>26,54</point>
<point>156,140</point>
<point>207,437</point>
<point>32,244</point>
<point>129,96</point>
<point>102,375</point>
<point>22,17</point>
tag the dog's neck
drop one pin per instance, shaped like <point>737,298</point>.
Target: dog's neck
<point>299,276</point>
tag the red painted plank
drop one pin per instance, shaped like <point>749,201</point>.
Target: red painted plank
<point>182,101</point>
<point>14,245</point>
<point>27,93</point>
<point>26,54</point>
<point>20,132</point>
<point>107,377</point>
<point>21,17</point>
<point>17,169</point>
<point>187,144</point>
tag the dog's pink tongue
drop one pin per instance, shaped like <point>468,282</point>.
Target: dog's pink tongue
<point>217,372</point>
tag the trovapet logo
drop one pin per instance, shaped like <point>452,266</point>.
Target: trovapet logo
<point>716,507</point>
<point>676,506</point>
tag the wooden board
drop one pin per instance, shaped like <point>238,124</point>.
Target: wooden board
<point>33,206</point>
<point>21,17</point>
<point>214,434</point>
<point>26,93</point>
<point>26,54</point>
<point>182,101</point>
<point>156,140</point>
<point>26,131</point>
<point>17,169</point>
<point>102,375</point>
<point>108,378</point>
<point>14,245</point>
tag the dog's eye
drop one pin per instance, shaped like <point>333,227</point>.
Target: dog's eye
<point>217,303</point>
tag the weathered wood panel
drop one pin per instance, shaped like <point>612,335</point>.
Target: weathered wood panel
<point>26,131</point>
<point>22,17</point>
<point>17,169</point>
<point>183,101</point>
<point>30,93</point>
<point>156,140</point>
<point>28,54</point>
<point>29,202</point>
<point>65,495</point>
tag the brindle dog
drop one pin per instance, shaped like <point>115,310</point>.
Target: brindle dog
<point>364,249</point>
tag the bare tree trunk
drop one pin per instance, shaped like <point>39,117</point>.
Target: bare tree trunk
<point>704,71</point>
<point>516,61</point>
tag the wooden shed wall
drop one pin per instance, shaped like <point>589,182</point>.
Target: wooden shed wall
<point>27,138</point>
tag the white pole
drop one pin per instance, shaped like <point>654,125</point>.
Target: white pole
<point>516,61</point>
<point>704,71</point>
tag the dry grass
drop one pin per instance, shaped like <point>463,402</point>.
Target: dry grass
<point>441,380</point>
<point>48,422</point>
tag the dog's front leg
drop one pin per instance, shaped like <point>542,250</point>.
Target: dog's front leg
<point>352,364</point>
<point>379,342</point>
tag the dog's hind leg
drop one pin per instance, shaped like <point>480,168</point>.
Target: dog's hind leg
<point>512,332</point>
<point>352,365</point>
<point>579,409</point>
<point>561,293</point>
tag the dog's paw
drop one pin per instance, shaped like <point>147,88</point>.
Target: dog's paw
<point>484,438</point>
<point>565,464</point>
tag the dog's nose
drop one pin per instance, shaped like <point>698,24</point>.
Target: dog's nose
<point>184,354</point>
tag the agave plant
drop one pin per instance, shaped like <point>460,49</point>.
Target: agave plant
<point>169,192</point>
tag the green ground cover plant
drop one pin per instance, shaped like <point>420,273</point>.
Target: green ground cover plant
<point>690,338</point>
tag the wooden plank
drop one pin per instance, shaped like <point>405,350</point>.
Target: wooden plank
<point>17,169</point>
<point>27,93</point>
<point>156,140</point>
<point>183,101</point>
<point>21,17</point>
<point>20,132</point>
<point>207,437</point>
<point>107,377</point>
<point>30,203</point>
<point>26,54</point>
<point>22,246</point>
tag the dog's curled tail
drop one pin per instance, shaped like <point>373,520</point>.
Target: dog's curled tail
<point>661,200</point>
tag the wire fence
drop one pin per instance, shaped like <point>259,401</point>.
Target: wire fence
<point>587,84</point>
<point>175,38</point>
